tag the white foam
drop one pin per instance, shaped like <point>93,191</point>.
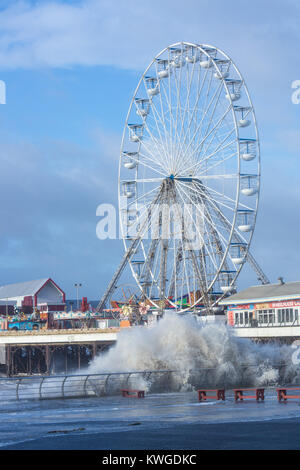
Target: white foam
<point>207,355</point>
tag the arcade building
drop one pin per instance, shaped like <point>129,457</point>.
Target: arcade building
<point>264,305</point>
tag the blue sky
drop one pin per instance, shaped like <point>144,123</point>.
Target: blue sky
<point>70,69</point>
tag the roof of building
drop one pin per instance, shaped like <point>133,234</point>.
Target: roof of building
<point>22,289</point>
<point>265,292</point>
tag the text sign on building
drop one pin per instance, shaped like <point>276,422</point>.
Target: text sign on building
<point>285,303</point>
<point>241,307</point>
<point>262,306</point>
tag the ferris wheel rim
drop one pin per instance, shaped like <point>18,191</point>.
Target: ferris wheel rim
<point>233,228</point>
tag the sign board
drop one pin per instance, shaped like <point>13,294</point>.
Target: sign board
<point>285,304</point>
<point>263,306</point>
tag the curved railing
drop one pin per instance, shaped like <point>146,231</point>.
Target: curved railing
<point>77,385</point>
<point>110,383</point>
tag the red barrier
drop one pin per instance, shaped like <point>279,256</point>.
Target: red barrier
<point>282,393</point>
<point>239,393</point>
<point>219,394</point>
<point>133,393</point>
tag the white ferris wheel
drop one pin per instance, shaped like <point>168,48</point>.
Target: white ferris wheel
<point>189,175</point>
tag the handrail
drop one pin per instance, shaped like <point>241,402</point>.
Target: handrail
<point>70,385</point>
<point>76,385</point>
<point>29,377</point>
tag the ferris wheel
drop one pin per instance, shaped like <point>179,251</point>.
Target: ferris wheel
<point>189,174</point>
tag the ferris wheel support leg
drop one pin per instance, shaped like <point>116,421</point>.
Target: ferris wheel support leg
<point>116,276</point>
<point>175,272</point>
<point>163,269</point>
<point>146,273</point>
<point>201,277</point>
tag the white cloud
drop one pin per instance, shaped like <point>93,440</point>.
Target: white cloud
<point>260,36</point>
<point>128,34</point>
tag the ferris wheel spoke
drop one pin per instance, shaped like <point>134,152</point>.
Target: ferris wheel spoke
<point>213,111</point>
<point>178,109</point>
<point>215,165</point>
<point>183,115</point>
<point>220,148</point>
<point>229,199</point>
<point>149,180</point>
<point>171,120</point>
<point>164,138</point>
<point>200,163</point>
<point>162,109</point>
<point>142,196</point>
<point>209,196</point>
<point>187,101</point>
<point>211,131</point>
<point>158,120</point>
<point>199,94</point>
<point>168,98</point>
<point>206,106</point>
<point>152,157</point>
<point>140,161</point>
<point>163,154</point>
<point>219,239</point>
<point>224,220</point>
<point>219,135</point>
<point>198,129</point>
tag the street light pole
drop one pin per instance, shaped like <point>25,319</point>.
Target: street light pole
<point>77,289</point>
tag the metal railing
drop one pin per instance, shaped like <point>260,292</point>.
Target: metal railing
<point>75,386</point>
<point>110,383</point>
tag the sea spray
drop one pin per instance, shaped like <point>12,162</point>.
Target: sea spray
<point>202,356</point>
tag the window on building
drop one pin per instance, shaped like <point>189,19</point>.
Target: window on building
<point>266,317</point>
<point>287,315</point>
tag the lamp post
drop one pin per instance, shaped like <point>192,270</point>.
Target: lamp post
<point>77,290</point>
